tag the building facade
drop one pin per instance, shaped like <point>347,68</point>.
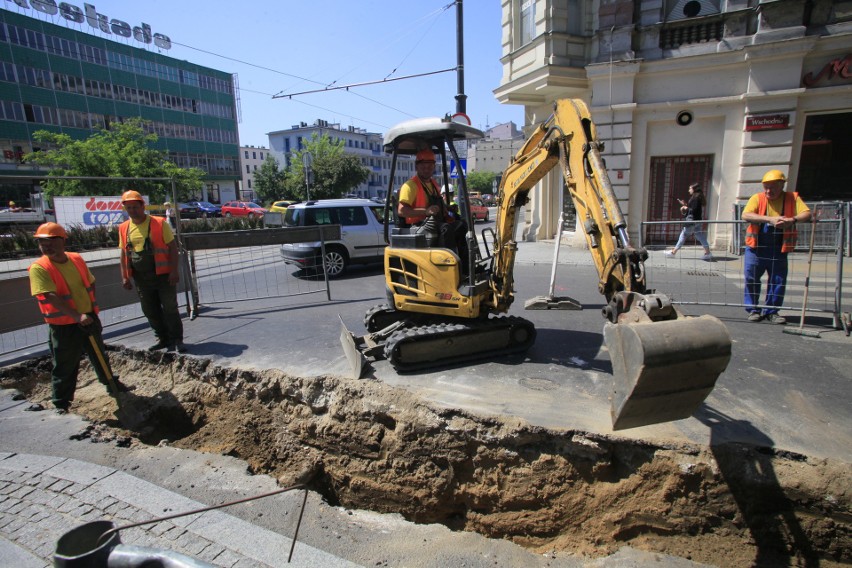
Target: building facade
<point>62,80</point>
<point>251,159</point>
<point>366,146</point>
<point>713,91</point>
<point>494,152</point>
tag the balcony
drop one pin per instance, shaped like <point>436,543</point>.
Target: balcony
<point>677,34</point>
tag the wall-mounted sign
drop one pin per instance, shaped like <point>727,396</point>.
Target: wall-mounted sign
<point>840,67</point>
<point>98,21</point>
<point>767,122</point>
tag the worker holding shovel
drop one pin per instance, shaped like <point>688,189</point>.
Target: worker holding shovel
<point>65,290</point>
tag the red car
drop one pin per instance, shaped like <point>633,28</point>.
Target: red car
<point>478,210</point>
<point>242,209</point>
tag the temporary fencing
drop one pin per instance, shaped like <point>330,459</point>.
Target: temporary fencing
<point>688,279</point>
<point>216,267</point>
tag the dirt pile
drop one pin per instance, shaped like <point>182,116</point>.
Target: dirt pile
<point>365,445</point>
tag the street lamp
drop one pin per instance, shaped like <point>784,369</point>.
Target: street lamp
<point>306,162</point>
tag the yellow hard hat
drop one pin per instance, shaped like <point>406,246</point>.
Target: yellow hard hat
<point>11,204</point>
<point>131,195</point>
<point>774,175</point>
<point>167,203</point>
<point>50,230</point>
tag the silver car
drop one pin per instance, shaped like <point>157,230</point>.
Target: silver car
<point>361,230</point>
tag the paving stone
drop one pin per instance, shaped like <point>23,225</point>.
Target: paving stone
<point>210,552</point>
<point>228,558</point>
<point>80,472</point>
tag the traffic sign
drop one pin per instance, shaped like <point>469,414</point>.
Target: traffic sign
<point>454,173</point>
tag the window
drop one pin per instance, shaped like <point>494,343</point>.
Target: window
<point>248,169</point>
<point>249,183</point>
<point>261,156</point>
<point>527,31</point>
<point>246,154</point>
<point>254,155</point>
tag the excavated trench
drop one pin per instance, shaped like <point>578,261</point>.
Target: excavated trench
<point>365,445</point>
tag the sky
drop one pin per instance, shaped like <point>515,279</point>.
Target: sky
<point>281,47</point>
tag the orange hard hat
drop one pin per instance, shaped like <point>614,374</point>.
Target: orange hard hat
<point>50,230</point>
<point>774,175</point>
<point>131,195</point>
<point>425,155</point>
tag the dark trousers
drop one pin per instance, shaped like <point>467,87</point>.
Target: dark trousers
<point>159,304</point>
<point>773,262</point>
<point>67,344</point>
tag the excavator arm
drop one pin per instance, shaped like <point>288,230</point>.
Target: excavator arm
<point>664,363</point>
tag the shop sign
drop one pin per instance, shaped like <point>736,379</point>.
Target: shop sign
<point>840,67</point>
<point>767,122</point>
<point>101,22</point>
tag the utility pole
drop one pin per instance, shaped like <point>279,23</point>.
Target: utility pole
<point>461,98</point>
<point>306,162</point>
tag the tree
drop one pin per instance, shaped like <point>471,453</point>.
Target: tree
<point>333,172</point>
<point>269,181</point>
<point>122,150</point>
<point>481,182</point>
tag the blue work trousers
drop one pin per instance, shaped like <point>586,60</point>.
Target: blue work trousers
<point>773,262</point>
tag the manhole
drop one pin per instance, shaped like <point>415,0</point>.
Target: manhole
<point>366,445</point>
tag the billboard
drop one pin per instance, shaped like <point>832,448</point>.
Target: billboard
<point>88,212</point>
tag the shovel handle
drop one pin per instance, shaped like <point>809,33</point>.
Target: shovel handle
<point>102,360</point>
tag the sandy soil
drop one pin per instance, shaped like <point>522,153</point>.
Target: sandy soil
<point>364,445</point>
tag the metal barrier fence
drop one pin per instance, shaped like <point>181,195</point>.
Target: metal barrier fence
<point>220,267</point>
<point>687,279</point>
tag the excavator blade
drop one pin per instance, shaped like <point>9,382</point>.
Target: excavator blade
<point>664,370</point>
<point>353,355</point>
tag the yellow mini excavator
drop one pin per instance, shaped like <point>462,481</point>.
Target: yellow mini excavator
<point>444,309</point>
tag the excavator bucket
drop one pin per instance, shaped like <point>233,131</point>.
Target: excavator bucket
<point>664,370</point>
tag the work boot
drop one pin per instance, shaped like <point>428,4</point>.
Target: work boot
<point>161,344</point>
<point>178,347</point>
<point>776,319</point>
<point>755,317</point>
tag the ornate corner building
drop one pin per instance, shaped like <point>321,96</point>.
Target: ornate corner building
<point>713,91</point>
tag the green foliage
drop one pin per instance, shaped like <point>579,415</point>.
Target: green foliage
<point>123,150</point>
<point>333,172</point>
<point>481,181</point>
<point>269,181</point>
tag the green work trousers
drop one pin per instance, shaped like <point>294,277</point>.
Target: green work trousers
<point>160,305</point>
<point>67,344</point>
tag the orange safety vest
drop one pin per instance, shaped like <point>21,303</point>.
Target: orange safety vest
<point>48,311</point>
<point>421,200</point>
<point>161,249</point>
<point>789,236</point>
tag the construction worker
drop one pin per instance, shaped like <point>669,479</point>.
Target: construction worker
<point>65,290</point>
<point>420,198</point>
<point>149,255</point>
<point>13,208</point>
<point>770,236</point>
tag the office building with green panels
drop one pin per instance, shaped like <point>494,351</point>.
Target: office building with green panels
<point>62,80</point>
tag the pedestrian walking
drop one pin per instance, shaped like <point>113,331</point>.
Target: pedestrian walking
<point>149,256</point>
<point>693,211</point>
<point>770,236</point>
<point>65,290</point>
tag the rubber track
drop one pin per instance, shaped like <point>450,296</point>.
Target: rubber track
<point>438,333</point>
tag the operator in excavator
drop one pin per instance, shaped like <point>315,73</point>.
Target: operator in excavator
<point>420,202</point>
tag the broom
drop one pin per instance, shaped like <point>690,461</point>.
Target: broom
<point>800,330</point>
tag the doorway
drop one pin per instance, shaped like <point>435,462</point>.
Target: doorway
<point>824,172</point>
<point>670,179</point>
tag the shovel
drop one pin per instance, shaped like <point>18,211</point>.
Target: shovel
<point>113,387</point>
<point>801,329</point>
<point>128,419</point>
<point>551,302</point>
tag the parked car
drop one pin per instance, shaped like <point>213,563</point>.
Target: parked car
<point>361,230</point>
<point>242,209</point>
<point>281,206</point>
<point>206,209</point>
<point>478,210</point>
<point>188,211</point>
